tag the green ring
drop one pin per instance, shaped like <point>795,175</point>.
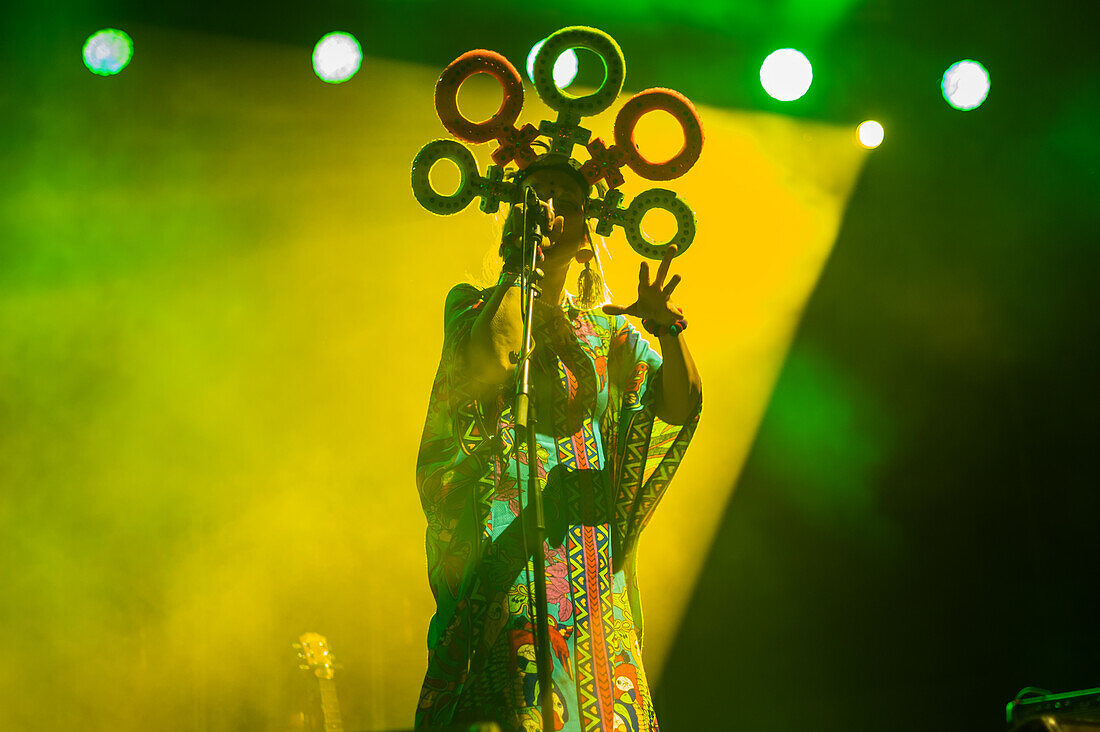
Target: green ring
<point>669,201</point>
<point>431,154</point>
<point>593,40</point>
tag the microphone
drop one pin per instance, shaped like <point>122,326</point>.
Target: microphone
<point>543,212</point>
<point>537,215</point>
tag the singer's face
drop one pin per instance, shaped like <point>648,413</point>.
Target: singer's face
<point>568,201</point>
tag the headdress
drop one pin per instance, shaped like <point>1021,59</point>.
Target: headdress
<point>515,144</point>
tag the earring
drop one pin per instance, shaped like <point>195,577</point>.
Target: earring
<point>589,287</point>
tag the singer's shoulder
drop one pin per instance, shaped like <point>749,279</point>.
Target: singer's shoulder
<point>464,296</point>
<point>465,291</point>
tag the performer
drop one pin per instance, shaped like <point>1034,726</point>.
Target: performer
<point>598,386</point>
<point>613,417</point>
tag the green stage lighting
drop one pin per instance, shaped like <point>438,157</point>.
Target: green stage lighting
<point>337,57</point>
<point>965,85</point>
<point>565,67</point>
<point>108,51</point>
<point>786,74</point>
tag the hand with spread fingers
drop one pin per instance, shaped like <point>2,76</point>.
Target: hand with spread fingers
<point>653,297</point>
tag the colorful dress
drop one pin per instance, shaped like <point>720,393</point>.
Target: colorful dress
<point>603,460</point>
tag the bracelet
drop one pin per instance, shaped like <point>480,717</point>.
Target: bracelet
<point>659,330</point>
<point>516,277</point>
<point>517,282</point>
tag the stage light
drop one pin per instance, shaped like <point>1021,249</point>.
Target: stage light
<point>786,74</point>
<point>108,51</point>
<point>337,57</point>
<point>870,134</point>
<point>965,85</point>
<point>565,68</point>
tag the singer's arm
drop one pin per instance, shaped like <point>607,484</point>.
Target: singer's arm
<point>497,333</point>
<point>681,385</point>
<point>496,339</point>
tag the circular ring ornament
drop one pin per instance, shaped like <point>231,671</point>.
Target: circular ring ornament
<point>669,201</point>
<point>461,69</point>
<point>598,43</point>
<point>431,154</point>
<point>682,110</point>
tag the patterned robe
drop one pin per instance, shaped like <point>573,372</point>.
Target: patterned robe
<point>603,460</point>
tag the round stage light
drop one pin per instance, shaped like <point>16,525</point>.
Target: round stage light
<point>337,57</point>
<point>786,74</point>
<point>870,134</point>
<point>108,51</point>
<point>565,68</point>
<point>965,85</point>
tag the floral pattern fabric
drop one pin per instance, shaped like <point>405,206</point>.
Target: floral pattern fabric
<point>603,461</point>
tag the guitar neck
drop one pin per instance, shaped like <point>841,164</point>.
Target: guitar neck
<point>330,706</point>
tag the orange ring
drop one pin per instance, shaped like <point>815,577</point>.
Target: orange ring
<point>461,69</point>
<point>681,110</point>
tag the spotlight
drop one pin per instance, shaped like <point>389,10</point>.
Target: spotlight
<point>337,57</point>
<point>108,51</point>
<point>870,134</point>
<point>565,67</point>
<point>965,85</point>
<point>786,74</point>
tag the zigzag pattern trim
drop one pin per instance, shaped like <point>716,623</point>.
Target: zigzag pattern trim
<point>651,489</point>
<point>595,541</point>
<point>588,702</point>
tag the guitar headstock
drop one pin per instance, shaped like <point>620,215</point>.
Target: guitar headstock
<point>314,652</point>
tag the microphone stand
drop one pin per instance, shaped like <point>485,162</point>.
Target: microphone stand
<point>525,421</point>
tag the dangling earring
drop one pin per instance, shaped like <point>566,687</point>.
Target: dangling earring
<point>589,283</point>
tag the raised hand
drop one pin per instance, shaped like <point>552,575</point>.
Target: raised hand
<point>513,225</point>
<point>653,297</point>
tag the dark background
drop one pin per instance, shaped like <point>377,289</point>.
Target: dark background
<point>914,536</point>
